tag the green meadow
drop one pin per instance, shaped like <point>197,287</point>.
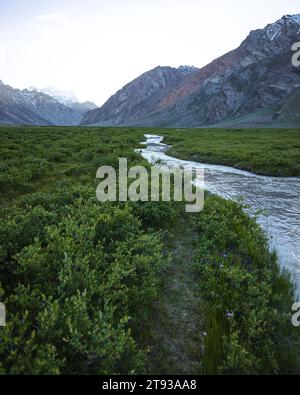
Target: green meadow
<point>132,288</point>
<point>273,152</point>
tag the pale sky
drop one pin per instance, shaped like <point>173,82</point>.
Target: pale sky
<point>94,47</point>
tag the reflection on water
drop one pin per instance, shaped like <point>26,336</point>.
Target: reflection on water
<point>278,197</point>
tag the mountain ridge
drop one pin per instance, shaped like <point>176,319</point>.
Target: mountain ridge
<point>31,107</point>
<point>255,76</point>
<point>67,98</point>
<point>256,82</point>
<point>143,93</point>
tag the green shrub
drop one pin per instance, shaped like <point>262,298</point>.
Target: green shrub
<point>82,291</point>
<point>247,299</point>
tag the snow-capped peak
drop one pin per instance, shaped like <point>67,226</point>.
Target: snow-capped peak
<point>275,29</point>
<point>63,97</point>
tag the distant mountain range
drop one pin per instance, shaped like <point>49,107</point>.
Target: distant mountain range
<point>33,107</point>
<point>253,85</point>
<point>249,86</point>
<point>68,99</point>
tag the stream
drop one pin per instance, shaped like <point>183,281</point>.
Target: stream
<point>278,197</point>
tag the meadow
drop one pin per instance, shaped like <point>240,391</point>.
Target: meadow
<point>272,152</point>
<point>111,288</point>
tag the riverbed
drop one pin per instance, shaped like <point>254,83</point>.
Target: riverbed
<point>277,198</point>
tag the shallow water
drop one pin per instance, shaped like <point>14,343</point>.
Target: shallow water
<point>279,197</point>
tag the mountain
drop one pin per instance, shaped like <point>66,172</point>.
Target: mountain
<point>15,111</point>
<point>288,110</point>
<point>63,97</point>
<point>255,84</point>
<point>50,109</point>
<point>285,113</point>
<point>254,78</point>
<point>185,70</point>
<point>140,97</point>
<point>67,98</point>
<point>30,107</point>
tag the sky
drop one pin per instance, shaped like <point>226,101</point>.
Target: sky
<point>94,47</point>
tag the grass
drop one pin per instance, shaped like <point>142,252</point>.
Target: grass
<point>244,296</point>
<point>35,158</point>
<point>272,152</point>
<point>115,288</point>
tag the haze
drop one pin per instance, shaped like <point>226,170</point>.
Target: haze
<point>93,48</point>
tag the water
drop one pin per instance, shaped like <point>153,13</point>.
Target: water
<point>278,197</point>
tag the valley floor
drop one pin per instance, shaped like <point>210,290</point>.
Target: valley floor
<point>110,288</point>
<point>271,152</point>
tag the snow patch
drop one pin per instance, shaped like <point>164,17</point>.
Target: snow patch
<point>274,30</point>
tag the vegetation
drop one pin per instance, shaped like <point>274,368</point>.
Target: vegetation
<point>78,277</point>
<point>273,152</point>
<point>82,280</point>
<point>245,297</point>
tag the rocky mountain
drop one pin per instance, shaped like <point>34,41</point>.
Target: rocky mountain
<point>185,70</point>
<point>140,97</point>
<point>255,77</point>
<point>30,107</point>
<point>14,110</point>
<point>288,110</point>
<point>67,98</point>
<point>83,108</point>
<point>63,97</point>
<point>285,113</point>
<point>255,84</point>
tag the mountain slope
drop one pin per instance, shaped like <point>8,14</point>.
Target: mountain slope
<point>284,114</point>
<point>49,108</point>
<point>288,111</point>
<point>255,76</point>
<point>14,111</point>
<point>67,98</point>
<point>29,107</point>
<point>140,97</point>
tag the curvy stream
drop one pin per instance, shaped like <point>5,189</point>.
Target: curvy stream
<point>278,197</point>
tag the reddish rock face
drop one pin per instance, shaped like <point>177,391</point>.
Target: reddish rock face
<point>256,76</point>
<point>140,97</point>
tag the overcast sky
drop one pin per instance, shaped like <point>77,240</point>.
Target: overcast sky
<point>94,47</point>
